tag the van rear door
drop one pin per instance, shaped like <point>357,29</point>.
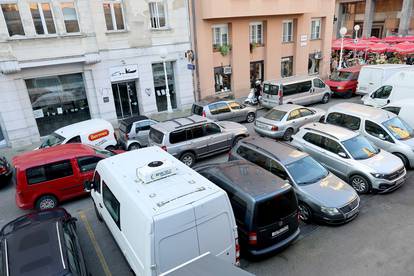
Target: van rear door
<point>369,79</point>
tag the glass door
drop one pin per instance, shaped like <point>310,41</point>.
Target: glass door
<point>2,140</point>
<point>126,99</point>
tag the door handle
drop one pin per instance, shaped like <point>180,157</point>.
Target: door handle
<point>100,205</point>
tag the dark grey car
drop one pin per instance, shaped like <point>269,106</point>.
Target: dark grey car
<point>322,196</point>
<point>224,111</point>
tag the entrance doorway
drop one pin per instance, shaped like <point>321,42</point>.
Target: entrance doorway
<point>126,99</point>
<point>256,72</point>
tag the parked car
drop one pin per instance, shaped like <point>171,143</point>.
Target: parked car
<point>383,128</point>
<point>153,205</point>
<point>373,76</point>
<point>404,110</point>
<point>265,207</point>
<point>344,82</point>
<point>224,111</point>
<point>194,137</point>
<point>303,90</point>
<point>352,157</point>
<point>94,132</point>
<point>133,132</point>
<point>46,177</point>
<point>42,243</point>
<point>322,196</point>
<point>5,170</point>
<point>284,120</point>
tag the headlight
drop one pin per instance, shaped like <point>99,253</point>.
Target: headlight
<point>378,175</point>
<point>330,211</point>
<point>340,87</point>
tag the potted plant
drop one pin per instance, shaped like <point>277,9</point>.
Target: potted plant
<point>224,49</point>
<point>253,46</point>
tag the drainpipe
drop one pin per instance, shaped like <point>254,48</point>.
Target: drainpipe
<point>193,41</point>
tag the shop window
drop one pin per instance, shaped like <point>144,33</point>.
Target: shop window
<point>114,16</point>
<point>70,17</point>
<point>158,15</point>
<point>256,33</point>
<point>160,85</point>
<point>287,31</point>
<point>287,67</point>
<point>11,15</point>
<point>222,79</point>
<point>220,35</point>
<point>42,18</point>
<point>256,72</point>
<point>313,64</point>
<point>316,28</point>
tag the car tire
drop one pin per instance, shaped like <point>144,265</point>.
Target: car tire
<point>360,184</point>
<point>188,158</point>
<point>325,98</point>
<point>110,148</point>
<point>98,216</point>
<point>322,119</point>
<point>250,117</point>
<point>403,159</point>
<point>305,212</point>
<point>46,202</point>
<point>287,136</point>
<point>134,146</point>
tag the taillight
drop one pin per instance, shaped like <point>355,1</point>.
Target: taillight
<point>126,136</point>
<point>275,128</point>
<point>164,148</point>
<point>204,114</point>
<point>280,93</point>
<point>252,238</point>
<point>237,253</point>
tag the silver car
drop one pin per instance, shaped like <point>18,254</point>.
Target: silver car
<point>284,120</point>
<point>224,111</point>
<point>352,157</point>
<point>194,137</point>
<point>133,132</point>
<point>383,128</point>
<point>321,195</point>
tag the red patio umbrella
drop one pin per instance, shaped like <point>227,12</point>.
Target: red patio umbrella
<point>393,39</point>
<point>403,48</point>
<point>379,47</point>
<point>374,39</point>
<point>336,44</point>
<point>361,45</point>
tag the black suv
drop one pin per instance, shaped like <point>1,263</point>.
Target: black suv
<point>265,206</point>
<point>41,243</point>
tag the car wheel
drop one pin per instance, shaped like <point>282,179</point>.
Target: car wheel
<point>188,158</point>
<point>322,119</point>
<point>134,146</point>
<point>360,184</point>
<point>325,98</point>
<point>97,213</point>
<point>403,159</point>
<point>305,213</point>
<point>46,202</point>
<point>250,117</point>
<point>110,148</point>
<point>288,134</point>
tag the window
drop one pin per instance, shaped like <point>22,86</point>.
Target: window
<point>313,64</point>
<point>316,28</point>
<point>49,172</point>
<point>97,182</point>
<point>220,35</point>
<point>270,89</point>
<point>287,67</point>
<point>42,18</point>
<point>281,205</point>
<point>306,112</point>
<point>158,15</point>
<point>144,126</point>
<point>256,72</point>
<point>252,156</point>
<point>234,105</point>
<point>256,33</point>
<point>74,140</point>
<point>88,163</point>
<point>160,85</point>
<point>318,83</point>
<point>71,249</point>
<point>111,204</point>
<point>114,17</point>
<point>219,108</point>
<point>304,87</point>
<point>70,17</point>
<point>277,169</point>
<point>393,109</point>
<point>222,80</point>
<point>332,146</point>
<point>290,89</point>
<point>178,136</point>
<point>294,114</point>
<point>344,120</point>
<point>195,132</point>
<point>313,138</point>
<point>383,92</point>
<point>156,136</point>
<point>360,148</point>
<point>287,31</point>
<point>12,17</point>
<point>211,129</point>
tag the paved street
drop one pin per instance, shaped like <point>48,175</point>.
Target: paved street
<point>377,242</point>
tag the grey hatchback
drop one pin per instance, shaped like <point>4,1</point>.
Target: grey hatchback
<point>321,195</point>
<point>224,111</point>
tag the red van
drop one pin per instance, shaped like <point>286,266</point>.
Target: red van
<point>48,176</point>
<point>344,82</point>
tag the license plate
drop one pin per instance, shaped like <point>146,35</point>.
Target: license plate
<point>280,231</point>
<point>258,124</point>
<point>353,212</point>
<point>399,181</point>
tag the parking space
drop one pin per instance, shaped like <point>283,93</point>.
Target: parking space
<point>377,242</point>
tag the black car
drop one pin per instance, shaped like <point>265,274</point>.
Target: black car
<point>41,243</point>
<point>265,206</point>
<point>5,170</point>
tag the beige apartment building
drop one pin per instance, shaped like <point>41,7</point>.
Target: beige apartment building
<point>237,42</point>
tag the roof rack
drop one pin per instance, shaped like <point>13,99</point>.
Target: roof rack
<point>191,123</point>
<point>321,132</point>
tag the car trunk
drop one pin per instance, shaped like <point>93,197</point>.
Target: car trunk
<point>124,129</point>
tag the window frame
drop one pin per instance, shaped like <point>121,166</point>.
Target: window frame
<point>46,168</point>
<point>254,37</point>
<point>13,2</point>
<point>113,17</point>
<point>75,6</point>
<point>221,28</point>
<point>80,159</point>
<point>156,16</point>
<point>287,38</point>
<point>316,35</point>
<point>106,190</point>
<point>387,137</point>
<point>42,18</point>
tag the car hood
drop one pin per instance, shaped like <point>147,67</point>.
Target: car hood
<point>232,126</point>
<point>330,192</point>
<point>384,162</point>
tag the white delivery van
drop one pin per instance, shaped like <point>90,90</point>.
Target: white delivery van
<point>161,212</point>
<point>94,132</point>
<point>404,109</point>
<point>399,86</point>
<point>373,76</point>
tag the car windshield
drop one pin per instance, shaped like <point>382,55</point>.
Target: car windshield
<point>275,115</point>
<point>53,139</point>
<point>306,171</point>
<point>399,129</point>
<point>341,76</point>
<point>360,148</point>
<point>105,153</point>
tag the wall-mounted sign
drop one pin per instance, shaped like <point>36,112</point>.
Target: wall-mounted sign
<point>303,38</point>
<point>38,113</point>
<point>227,70</point>
<point>105,99</point>
<point>125,72</point>
<point>303,44</point>
<point>190,66</point>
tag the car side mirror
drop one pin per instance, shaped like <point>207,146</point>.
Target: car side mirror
<point>88,186</point>
<point>388,101</point>
<point>381,136</point>
<point>342,154</point>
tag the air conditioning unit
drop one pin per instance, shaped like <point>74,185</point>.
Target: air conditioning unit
<point>156,170</point>
<point>227,70</point>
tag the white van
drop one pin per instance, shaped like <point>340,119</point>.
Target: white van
<point>94,132</point>
<point>398,87</point>
<point>161,212</point>
<point>404,109</point>
<point>373,76</point>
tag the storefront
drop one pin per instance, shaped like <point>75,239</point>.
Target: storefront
<point>287,67</point>
<point>314,63</point>
<point>160,85</point>
<point>222,79</point>
<point>256,72</point>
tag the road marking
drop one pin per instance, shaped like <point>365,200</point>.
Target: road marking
<point>95,244</point>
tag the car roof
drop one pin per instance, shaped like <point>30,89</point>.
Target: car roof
<point>178,123</point>
<point>367,112</point>
<point>133,119</point>
<point>34,244</point>
<point>288,107</point>
<point>285,153</point>
<point>385,66</point>
<point>49,155</point>
<point>247,178</point>
<point>352,69</point>
<point>333,131</point>
<point>84,127</point>
<point>289,80</point>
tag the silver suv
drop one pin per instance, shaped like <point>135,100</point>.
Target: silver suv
<point>321,195</point>
<point>194,137</point>
<point>224,111</point>
<point>352,157</point>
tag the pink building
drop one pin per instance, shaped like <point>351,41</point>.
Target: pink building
<point>239,41</point>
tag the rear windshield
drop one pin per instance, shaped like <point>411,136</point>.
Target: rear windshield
<point>275,115</point>
<point>156,136</point>
<point>124,127</point>
<point>198,110</point>
<point>270,89</point>
<point>275,208</point>
<point>53,139</point>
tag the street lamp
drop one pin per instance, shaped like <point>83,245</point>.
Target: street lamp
<point>356,28</point>
<point>342,32</point>
<point>164,55</point>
